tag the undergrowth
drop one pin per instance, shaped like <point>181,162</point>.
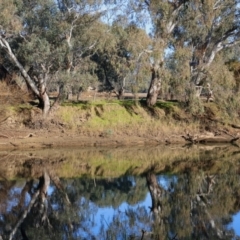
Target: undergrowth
<point>115,117</point>
<point>14,106</point>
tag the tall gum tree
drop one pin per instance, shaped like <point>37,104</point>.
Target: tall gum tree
<point>82,34</point>
<point>206,27</point>
<point>213,26</point>
<point>12,28</point>
<point>46,37</point>
<point>121,58</point>
<point>165,16</point>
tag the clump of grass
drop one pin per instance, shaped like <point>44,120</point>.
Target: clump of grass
<point>112,115</point>
<point>72,117</point>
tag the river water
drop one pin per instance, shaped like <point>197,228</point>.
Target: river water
<point>163,192</point>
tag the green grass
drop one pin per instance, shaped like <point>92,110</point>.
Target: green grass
<point>102,114</point>
<point>85,104</point>
<point>125,117</point>
<point>166,105</point>
<point>117,115</point>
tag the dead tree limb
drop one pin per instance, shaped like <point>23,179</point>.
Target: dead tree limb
<point>209,138</point>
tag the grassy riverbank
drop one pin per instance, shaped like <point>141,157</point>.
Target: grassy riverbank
<point>120,120</point>
<point>98,122</point>
<point>125,118</point>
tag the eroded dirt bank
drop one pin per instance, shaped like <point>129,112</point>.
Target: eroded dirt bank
<point>28,139</point>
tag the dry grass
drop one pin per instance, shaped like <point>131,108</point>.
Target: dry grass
<point>14,106</point>
<point>12,95</point>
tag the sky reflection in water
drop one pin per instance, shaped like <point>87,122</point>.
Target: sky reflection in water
<point>103,216</point>
<point>106,214</point>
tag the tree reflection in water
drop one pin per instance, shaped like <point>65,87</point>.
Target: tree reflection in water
<point>187,206</point>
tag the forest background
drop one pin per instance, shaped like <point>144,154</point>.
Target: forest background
<point>180,57</point>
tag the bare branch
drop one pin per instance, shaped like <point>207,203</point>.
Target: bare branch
<point>217,4</point>
<point>147,3</point>
<point>2,43</point>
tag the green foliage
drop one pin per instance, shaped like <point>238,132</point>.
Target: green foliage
<point>178,64</point>
<point>195,105</point>
<point>224,84</point>
<point>120,59</point>
<point>76,49</point>
<point>8,16</point>
<point>36,50</point>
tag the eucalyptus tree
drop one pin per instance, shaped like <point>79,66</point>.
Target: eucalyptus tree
<point>84,32</point>
<point>165,17</point>
<point>17,31</point>
<point>201,29</point>
<point>44,39</point>
<point>213,26</point>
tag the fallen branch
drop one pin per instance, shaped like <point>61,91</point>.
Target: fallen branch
<point>209,139</point>
<point>234,126</point>
<point>15,145</point>
<point>229,124</point>
<point>27,136</point>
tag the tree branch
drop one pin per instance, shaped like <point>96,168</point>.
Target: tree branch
<point>6,46</point>
<point>177,7</point>
<point>24,215</point>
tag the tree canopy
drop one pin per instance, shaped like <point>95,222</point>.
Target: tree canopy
<point>75,44</point>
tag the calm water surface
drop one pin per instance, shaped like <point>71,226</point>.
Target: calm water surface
<point>121,193</point>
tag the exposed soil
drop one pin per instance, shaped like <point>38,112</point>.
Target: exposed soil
<point>53,135</point>
<point>28,139</point>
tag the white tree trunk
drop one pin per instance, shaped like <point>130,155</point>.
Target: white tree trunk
<point>8,49</point>
<point>41,91</point>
